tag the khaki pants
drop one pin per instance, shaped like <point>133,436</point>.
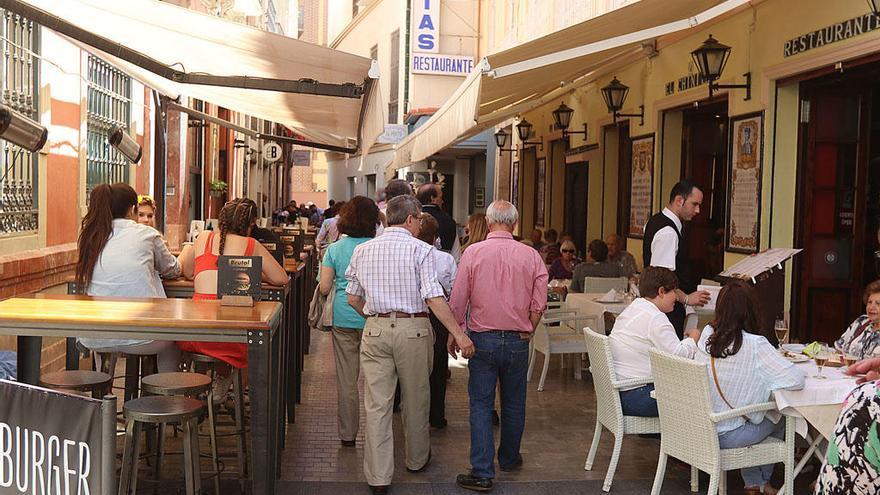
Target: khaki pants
<point>346,350</point>
<point>395,349</point>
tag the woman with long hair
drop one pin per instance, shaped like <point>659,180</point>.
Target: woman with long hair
<point>119,257</point>
<point>357,223</point>
<point>477,230</point>
<point>146,211</point>
<point>744,369</point>
<point>236,220</point>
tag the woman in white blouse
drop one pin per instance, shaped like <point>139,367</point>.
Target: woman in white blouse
<point>643,325</point>
<point>120,257</point>
<point>744,369</point>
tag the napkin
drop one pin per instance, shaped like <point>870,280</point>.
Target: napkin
<point>612,296</point>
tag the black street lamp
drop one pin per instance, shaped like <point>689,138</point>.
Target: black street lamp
<point>615,96</point>
<point>501,140</point>
<point>524,129</point>
<point>562,119</point>
<point>874,5</point>
<point>710,59</point>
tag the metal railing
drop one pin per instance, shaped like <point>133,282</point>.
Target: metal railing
<point>108,106</point>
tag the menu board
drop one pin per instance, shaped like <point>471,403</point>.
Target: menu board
<point>642,192</point>
<point>744,219</point>
<point>752,266</point>
<point>239,276</point>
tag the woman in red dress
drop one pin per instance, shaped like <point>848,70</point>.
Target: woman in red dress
<point>236,220</point>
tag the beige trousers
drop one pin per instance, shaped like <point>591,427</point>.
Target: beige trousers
<point>395,349</point>
<point>346,350</point>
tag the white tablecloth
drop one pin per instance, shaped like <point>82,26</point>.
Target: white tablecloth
<point>819,401</point>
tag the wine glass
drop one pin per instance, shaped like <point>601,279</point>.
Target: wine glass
<point>849,359</point>
<point>820,357</point>
<point>781,329</point>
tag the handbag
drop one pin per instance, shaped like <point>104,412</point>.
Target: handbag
<point>718,388</point>
<point>321,310</point>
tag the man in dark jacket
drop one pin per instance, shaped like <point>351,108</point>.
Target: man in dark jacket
<point>431,197</point>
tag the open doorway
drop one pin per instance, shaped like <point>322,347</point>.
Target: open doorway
<point>576,189</point>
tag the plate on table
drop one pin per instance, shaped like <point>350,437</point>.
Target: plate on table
<point>795,348</point>
<point>795,357</point>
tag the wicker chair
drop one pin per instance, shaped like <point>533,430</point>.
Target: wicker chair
<point>561,339</point>
<point>609,412</point>
<point>601,285</point>
<point>687,426</point>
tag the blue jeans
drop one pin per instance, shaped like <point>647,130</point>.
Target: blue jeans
<point>500,357</point>
<point>750,434</point>
<point>638,402</point>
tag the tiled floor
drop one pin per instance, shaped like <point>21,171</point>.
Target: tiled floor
<point>559,426</point>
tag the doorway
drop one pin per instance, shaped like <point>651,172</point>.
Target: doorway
<point>704,160</point>
<point>576,188</point>
<point>838,200</point>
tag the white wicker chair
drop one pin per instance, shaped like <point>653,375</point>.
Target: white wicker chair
<point>687,426</point>
<point>609,413</point>
<point>562,339</point>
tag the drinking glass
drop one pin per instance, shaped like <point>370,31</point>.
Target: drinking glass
<point>849,359</point>
<point>781,329</point>
<point>820,358</point>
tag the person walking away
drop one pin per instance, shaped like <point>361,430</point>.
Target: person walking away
<point>446,275</point>
<point>500,292</point>
<point>357,223</point>
<point>120,257</point>
<point>664,246</point>
<point>392,281</point>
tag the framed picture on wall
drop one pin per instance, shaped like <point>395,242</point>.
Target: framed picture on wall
<point>744,194</point>
<point>540,192</point>
<point>514,183</point>
<point>642,185</point>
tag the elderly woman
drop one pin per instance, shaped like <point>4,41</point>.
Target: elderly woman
<point>744,369</point>
<point>862,338</point>
<point>563,267</point>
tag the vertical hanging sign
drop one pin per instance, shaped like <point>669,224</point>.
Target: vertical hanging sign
<point>426,26</point>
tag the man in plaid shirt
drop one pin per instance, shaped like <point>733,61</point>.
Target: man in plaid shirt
<point>392,281</point>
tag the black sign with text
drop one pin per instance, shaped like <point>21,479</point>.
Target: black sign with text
<point>239,276</point>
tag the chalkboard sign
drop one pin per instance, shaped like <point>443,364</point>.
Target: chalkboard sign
<point>239,276</point>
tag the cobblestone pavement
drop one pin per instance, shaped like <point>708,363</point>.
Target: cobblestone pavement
<point>559,426</point>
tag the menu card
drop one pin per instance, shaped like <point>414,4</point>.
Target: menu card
<point>289,242</point>
<point>756,264</point>
<point>239,276</point>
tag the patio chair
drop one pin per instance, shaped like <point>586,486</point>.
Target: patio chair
<point>601,285</point>
<point>562,339</point>
<point>687,426</point>
<point>609,413</point>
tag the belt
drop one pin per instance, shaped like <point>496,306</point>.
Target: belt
<point>399,314</point>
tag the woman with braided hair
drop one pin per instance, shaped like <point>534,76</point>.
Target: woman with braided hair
<point>235,222</point>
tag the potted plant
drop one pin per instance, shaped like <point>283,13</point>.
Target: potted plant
<point>217,187</point>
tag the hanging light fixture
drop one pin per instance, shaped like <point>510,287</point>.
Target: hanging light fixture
<point>710,59</point>
<point>562,118</point>
<point>874,5</point>
<point>21,130</point>
<point>615,96</point>
<point>501,137</point>
<point>524,129</point>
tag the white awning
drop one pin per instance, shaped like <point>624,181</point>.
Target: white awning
<point>550,66</point>
<point>323,94</point>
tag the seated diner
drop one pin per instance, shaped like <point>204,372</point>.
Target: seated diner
<point>562,268</point>
<point>862,338</point>
<point>596,265</point>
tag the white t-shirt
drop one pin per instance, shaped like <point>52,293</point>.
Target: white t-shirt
<point>638,329</point>
<point>664,246</point>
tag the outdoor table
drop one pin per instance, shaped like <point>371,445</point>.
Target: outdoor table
<point>31,318</point>
<point>589,304</point>
<point>297,299</point>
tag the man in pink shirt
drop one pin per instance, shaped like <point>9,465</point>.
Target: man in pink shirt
<point>500,293</point>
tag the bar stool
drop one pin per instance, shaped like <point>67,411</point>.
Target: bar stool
<point>97,383</point>
<point>160,410</point>
<point>195,360</point>
<point>187,385</point>
<point>136,367</point>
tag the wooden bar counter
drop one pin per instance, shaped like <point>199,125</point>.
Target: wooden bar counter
<point>31,318</point>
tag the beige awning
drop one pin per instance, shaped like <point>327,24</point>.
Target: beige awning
<point>323,94</point>
<point>532,74</point>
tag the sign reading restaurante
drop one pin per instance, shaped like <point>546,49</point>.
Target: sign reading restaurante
<point>444,65</point>
<point>832,34</point>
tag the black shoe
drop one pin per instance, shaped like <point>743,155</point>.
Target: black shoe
<point>379,490</point>
<point>496,420</point>
<point>348,443</point>
<point>438,424</point>
<point>470,482</point>
<point>514,467</point>
<point>424,466</point>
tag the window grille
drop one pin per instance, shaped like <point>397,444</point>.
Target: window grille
<point>109,105</point>
<point>20,71</point>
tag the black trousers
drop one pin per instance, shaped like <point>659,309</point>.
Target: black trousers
<point>677,317</point>
<point>439,371</point>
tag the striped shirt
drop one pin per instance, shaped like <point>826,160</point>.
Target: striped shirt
<point>393,272</point>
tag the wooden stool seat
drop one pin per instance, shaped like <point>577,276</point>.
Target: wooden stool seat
<point>176,383</point>
<point>79,380</point>
<point>162,409</point>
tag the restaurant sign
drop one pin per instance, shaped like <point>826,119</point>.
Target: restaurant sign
<point>426,26</point>
<point>50,442</point>
<point>685,83</point>
<point>442,65</point>
<point>832,34</point>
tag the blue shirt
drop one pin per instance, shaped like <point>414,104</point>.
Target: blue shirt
<point>338,257</point>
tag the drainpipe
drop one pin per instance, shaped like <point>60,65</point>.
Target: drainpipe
<point>406,55</point>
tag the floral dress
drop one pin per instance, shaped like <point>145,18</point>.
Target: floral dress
<point>852,463</point>
<point>860,339</point>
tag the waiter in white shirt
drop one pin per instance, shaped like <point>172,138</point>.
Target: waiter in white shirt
<point>663,246</point>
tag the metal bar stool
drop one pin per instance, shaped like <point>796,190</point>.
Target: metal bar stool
<point>136,367</point>
<point>159,410</point>
<point>187,385</point>
<point>80,381</point>
<point>193,361</point>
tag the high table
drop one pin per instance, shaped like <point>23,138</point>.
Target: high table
<point>31,318</point>
<point>295,328</point>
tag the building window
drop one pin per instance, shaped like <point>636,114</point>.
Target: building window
<point>394,78</point>
<point>300,20</point>
<point>109,106</point>
<point>18,180</point>
<point>354,8</point>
